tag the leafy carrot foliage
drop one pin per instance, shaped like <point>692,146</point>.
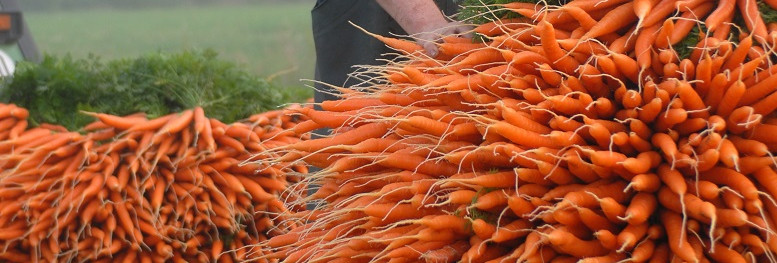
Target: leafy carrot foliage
<point>157,84</point>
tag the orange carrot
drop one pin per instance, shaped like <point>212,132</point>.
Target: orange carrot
<point>677,244</point>
<point>404,46</point>
<point>570,244</point>
<point>753,19</point>
<point>612,21</point>
<point>640,208</point>
<point>553,50</point>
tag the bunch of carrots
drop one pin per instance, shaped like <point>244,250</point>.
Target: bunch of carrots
<point>131,189</point>
<point>575,133</point>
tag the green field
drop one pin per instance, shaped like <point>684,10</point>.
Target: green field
<point>264,38</point>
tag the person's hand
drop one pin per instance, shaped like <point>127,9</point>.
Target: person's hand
<point>424,21</point>
<point>431,37</point>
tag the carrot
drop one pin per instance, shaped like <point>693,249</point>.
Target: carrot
<point>447,253</point>
<point>95,184</point>
<point>206,135</point>
<point>199,121</point>
<point>461,196</point>
<point>480,57</point>
<point>121,123</point>
<point>763,176</point>
<point>230,142</point>
<point>492,199</point>
<point>552,49</point>
<point>300,129</point>
<point>733,179</point>
<point>650,110</point>
<point>440,128</point>
<point>716,18</point>
<point>698,209</point>
<point>642,163</point>
<point>765,106</point>
<point>642,8</point>
<point>532,176</point>
<point>607,65</point>
<point>503,179</point>
<point>606,158</point>
<point>604,108</point>
<point>511,231</point>
<point>640,209</point>
<point>582,17</point>
<point>667,145</point>
<point>239,131</point>
<point>567,243</point>
<point>483,229</point>
<point>691,99</point>
<point>404,46</point>
<point>500,26</point>
<point>643,251</point>
<point>739,54</point>
<point>728,154</point>
<point>744,119</point>
<point>454,49</point>
<point>630,235</point>
<point>686,23</point>
<point>479,251</point>
<point>445,222</point>
<point>677,244</point>
<point>747,69</point>
<point>367,131</point>
<point>623,44</point>
<point>17,129</point>
<point>619,16</point>
<point>328,119</point>
<point>417,163</point>
<point>670,118</point>
<point>665,56</point>
<point>150,125</point>
<point>518,5</point>
<point>642,46</point>
<point>593,5</point>
<point>350,104</point>
<point>519,206</point>
<point>12,110</point>
<point>757,90</point>
<point>123,215</point>
<point>521,136</point>
<point>749,147</point>
<point>723,253</point>
<point>595,222</point>
<point>753,19</point>
<point>157,195</point>
<point>6,124</point>
<point>590,194</point>
<point>418,77</point>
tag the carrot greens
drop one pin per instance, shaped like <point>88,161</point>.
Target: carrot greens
<point>157,84</point>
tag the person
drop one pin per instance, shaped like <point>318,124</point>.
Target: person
<point>340,46</point>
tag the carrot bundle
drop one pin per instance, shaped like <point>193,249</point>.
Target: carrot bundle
<point>587,133</point>
<point>174,188</point>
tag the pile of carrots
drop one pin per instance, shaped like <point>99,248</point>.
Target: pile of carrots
<point>131,189</point>
<point>575,133</point>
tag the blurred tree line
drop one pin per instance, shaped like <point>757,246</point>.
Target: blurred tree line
<point>54,5</point>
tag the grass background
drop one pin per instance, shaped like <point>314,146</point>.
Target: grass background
<point>268,38</point>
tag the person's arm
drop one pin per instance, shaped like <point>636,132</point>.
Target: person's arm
<point>422,19</point>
